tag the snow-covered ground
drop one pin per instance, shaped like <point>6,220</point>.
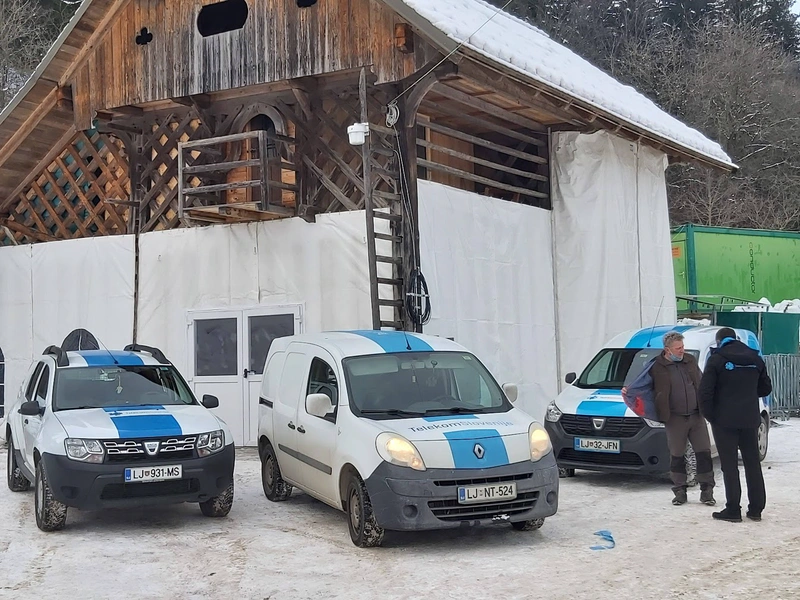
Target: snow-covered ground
<point>301,548</point>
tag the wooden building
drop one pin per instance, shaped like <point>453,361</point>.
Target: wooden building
<point>154,115</point>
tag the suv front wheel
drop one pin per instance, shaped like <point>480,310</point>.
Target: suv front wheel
<point>51,515</point>
<point>219,506</point>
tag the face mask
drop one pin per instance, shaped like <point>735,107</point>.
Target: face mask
<point>674,358</point>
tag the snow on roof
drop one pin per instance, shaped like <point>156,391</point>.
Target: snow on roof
<point>528,50</point>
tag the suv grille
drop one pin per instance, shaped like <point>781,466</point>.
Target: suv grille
<point>134,450</point>
<point>121,491</point>
<point>617,427</point>
<point>623,459</point>
<point>451,510</point>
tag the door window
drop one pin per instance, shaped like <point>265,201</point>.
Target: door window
<point>41,390</point>
<point>322,380</point>
<point>216,347</point>
<point>32,382</point>
<point>262,330</point>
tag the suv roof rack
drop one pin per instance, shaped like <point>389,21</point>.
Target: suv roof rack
<point>61,357</point>
<point>155,352</point>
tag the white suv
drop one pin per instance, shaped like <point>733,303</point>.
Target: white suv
<point>99,428</point>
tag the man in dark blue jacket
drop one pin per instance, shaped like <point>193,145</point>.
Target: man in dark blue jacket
<point>734,378</point>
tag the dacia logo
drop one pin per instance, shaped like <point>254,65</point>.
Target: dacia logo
<point>479,451</point>
<point>598,424</point>
<point>151,448</point>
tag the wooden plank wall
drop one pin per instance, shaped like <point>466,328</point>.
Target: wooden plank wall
<point>279,41</point>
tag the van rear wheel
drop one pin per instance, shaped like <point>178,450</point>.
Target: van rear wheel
<point>275,488</point>
<point>17,482</point>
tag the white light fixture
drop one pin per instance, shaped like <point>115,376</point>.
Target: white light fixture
<point>358,133</point>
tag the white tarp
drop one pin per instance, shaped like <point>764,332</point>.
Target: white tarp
<point>612,250</point>
<point>47,290</point>
<point>488,264</point>
<point>321,265</point>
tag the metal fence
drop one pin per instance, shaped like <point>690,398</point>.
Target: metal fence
<point>784,370</point>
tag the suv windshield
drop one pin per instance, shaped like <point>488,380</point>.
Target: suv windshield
<point>104,387</point>
<point>614,368</point>
<point>415,384</point>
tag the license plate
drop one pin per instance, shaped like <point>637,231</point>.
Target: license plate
<point>145,474</point>
<point>487,493</point>
<point>597,445</point>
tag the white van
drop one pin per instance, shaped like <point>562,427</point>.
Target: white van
<point>591,426</point>
<point>402,432</point>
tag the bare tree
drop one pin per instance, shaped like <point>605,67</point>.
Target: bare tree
<point>27,30</point>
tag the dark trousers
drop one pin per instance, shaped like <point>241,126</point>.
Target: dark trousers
<point>729,442</point>
<point>692,428</point>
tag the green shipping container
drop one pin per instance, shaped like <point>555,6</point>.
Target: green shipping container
<point>741,263</point>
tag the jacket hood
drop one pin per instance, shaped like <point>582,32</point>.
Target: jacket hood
<point>737,353</point>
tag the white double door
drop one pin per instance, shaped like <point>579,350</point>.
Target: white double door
<point>227,349</point>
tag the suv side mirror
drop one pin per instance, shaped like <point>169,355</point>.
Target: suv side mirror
<point>511,391</point>
<point>570,378</point>
<point>210,401</point>
<point>319,405</point>
<point>30,409</point>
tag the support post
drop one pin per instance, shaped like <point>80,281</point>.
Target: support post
<point>369,204</point>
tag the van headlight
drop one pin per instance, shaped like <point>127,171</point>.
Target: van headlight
<point>553,414</point>
<point>397,450</point>
<point>209,443</point>
<point>90,451</point>
<point>539,440</point>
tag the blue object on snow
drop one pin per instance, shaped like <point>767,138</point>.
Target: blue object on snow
<point>606,535</point>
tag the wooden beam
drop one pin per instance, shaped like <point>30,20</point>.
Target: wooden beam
<point>422,84</point>
<point>26,231</point>
<point>480,161</point>
<point>478,179</point>
<point>26,128</point>
<point>330,186</point>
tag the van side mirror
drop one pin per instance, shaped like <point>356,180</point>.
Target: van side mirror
<point>30,409</point>
<point>511,391</point>
<point>210,401</point>
<point>319,405</point>
<point>570,378</point>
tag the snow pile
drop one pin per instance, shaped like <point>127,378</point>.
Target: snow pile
<point>764,305</point>
<point>521,46</point>
<point>695,322</point>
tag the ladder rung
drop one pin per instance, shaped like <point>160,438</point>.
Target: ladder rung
<point>396,324</point>
<point>386,302</point>
<point>388,216</point>
<point>386,281</point>
<point>388,237</point>
<point>389,259</point>
<point>387,195</point>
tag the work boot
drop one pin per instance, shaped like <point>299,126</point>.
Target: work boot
<point>680,496</point>
<point>753,516</point>
<point>728,515</point>
<point>707,495</point>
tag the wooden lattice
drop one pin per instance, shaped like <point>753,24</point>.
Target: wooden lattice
<point>160,172</point>
<point>74,195</point>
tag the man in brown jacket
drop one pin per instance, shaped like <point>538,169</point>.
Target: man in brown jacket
<point>676,379</point>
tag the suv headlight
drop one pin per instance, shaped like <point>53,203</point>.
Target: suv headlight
<point>90,451</point>
<point>654,424</point>
<point>539,440</point>
<point>397,450</point>
<point>209,443</point>
<point>553,414</point>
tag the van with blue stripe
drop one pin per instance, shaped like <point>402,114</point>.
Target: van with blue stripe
<point>401,431</point>
<point>107,428</point>
<point>592,428</point>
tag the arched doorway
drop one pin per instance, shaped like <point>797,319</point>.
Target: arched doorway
<point>259,117</point>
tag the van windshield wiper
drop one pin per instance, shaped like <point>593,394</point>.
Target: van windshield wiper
<point>77,408</point>
<point>392,411</point>
<point>456,410</point>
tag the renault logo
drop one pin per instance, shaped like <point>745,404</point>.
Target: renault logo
<point>598,423</point>
<point>479,451</point>
<point>151,448</point>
